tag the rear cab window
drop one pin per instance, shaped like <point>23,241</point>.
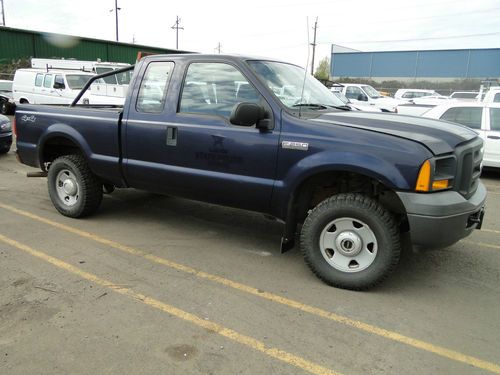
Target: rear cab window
<point>495,119</point>
<point>153,89</point>
<point>468,116</point>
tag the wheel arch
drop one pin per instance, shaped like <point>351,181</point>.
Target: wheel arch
<point>58,140</point>
<point>323,183</point>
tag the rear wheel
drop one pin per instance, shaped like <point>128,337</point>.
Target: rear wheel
<point>350,241</point>
<point>73,189</point>
<point>4,149</point>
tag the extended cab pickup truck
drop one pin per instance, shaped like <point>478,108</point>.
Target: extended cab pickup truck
<point>223,129</point>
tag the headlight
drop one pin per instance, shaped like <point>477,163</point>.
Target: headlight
<point>5,127</point>
<point>436,174</point>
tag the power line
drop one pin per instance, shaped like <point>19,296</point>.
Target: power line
<point>177,28</point>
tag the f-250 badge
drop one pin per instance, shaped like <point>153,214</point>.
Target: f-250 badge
<point>295,145</point>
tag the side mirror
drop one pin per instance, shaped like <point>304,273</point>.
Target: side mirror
<point>59,85</point>
<point>362,98</point>
<point>247,114</point>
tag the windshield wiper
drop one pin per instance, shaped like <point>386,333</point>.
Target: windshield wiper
<point>312,105</point>
<point>343,107</point>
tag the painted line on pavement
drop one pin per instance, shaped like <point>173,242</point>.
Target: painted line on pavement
<point>372,329</point>
<point>487,245</point>
<point>249,341</point>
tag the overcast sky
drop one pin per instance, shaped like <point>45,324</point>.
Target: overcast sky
<point>276,29</point>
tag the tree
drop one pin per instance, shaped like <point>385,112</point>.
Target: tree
<point>323,70</point>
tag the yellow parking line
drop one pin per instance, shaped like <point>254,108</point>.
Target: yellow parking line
<point>488,245</point>
<point>391,335</point>
<point>490,230</point>
<point>255,344</point>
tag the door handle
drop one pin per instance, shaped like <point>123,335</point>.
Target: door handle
<point>493,137</point>
<point>171,136</point>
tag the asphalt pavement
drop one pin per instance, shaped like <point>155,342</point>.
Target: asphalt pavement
<point>153,284</point>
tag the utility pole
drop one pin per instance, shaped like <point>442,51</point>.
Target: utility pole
<point>218,48</point>
<point>3,14</point>
<point>177,28</point>
<point>116,17</point>
<point>313,44</point>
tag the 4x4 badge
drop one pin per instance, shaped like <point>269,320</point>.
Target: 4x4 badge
<point>295,145</point>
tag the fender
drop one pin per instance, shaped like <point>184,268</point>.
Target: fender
<point>369,165</point>
<point>62,131</point>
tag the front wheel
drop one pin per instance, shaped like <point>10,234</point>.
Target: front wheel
<point>350,241</point>
<point>73,189</point>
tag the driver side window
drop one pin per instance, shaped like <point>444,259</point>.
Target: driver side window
<point>214,89</point>
<point>353,92</point>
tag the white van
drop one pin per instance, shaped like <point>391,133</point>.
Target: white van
<point>112,86</point>
<point>36,86</point>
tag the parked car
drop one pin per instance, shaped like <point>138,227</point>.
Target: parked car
<point>484,118</point>
<point>465,96</point>
<point>413,93</point>
<point>5,134</point>
<point>351,105</point>
<point>353,182</point>
<point>419,106</point>
<point>7,104</point>
<point>366,95</point>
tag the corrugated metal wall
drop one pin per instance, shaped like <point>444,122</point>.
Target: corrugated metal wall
<point>465,63</point>
<point>17,44</point>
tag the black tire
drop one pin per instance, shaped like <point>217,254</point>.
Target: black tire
<point>88,195</point>
<point>4,149</point>
<point>360,210</point>
<point>5,108</point>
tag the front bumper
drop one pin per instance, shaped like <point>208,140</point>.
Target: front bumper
<point>441,219</point>
<point>5,139</point>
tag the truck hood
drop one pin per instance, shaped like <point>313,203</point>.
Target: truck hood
<point>389,101</point>
<point>440,137</point>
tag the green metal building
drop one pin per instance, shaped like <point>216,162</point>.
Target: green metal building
<point>18,44</point>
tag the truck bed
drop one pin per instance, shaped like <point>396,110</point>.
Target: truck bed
<point>95,128</point>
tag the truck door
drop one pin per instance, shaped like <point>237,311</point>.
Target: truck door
<point>193,150</point>
<point>492,139</point>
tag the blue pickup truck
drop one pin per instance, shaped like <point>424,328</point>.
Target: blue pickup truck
<point>262,135</point>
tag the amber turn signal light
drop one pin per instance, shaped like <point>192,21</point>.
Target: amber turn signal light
<point>424,177</point>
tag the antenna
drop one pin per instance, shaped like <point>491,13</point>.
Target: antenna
<point>305,70</point>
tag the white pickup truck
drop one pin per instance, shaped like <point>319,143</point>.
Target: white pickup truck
<point>365,95</point>
<point>493,95</point>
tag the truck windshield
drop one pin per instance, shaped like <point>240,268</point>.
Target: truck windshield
<point>293,86</point>
<point>371,92</point>
<point>77,81</point>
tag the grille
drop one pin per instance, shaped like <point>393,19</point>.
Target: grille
<point>469,159</point>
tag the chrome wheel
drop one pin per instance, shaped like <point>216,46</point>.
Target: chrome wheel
<point>67,187</point>
<point>348,245</point>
